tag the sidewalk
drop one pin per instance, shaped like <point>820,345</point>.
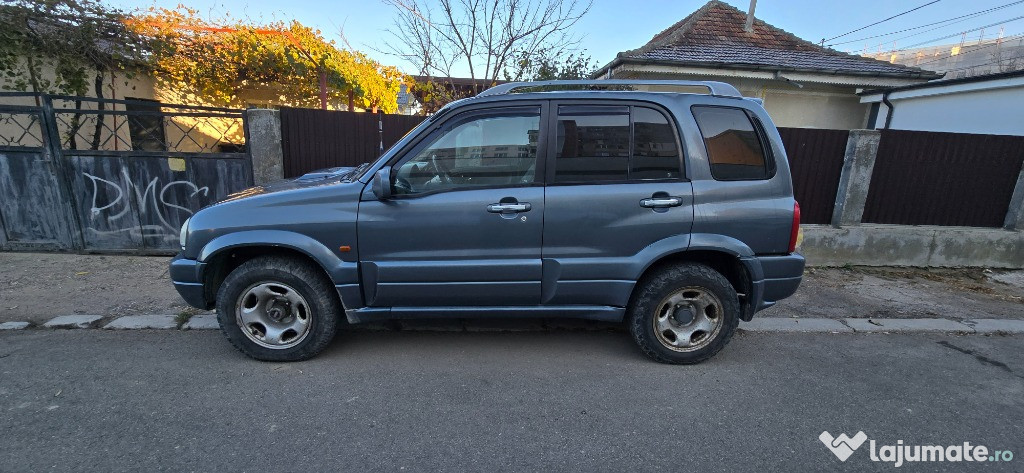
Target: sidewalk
<point>36,287</point>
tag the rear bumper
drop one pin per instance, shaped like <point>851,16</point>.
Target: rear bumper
<point>187,276</point>
<point>774,278</point>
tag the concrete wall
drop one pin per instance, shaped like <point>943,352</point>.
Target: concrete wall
<point>904,245</point>
<point>265,145</point>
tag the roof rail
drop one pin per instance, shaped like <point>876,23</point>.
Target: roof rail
<point>719,89</point>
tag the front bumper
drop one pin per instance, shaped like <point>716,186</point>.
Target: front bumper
<point>187,276</point>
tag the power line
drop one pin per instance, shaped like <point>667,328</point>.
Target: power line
<point>939,28</point>
<point>958,34</point>
<point>949,21</point>
<point>879,22</point>
<point>1001,22</point>
<point>1001,42</point>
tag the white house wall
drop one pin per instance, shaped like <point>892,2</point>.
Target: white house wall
<point>997,111</point>
<point>823,101</point>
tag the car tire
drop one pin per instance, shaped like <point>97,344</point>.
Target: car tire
<point>683,314</point>
<point>276,308</point>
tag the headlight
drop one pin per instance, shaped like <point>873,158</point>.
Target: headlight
<point>184,233</point>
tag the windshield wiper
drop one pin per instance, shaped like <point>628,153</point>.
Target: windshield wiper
<point>351,176</point>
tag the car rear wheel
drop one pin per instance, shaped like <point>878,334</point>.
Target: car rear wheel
<point>683,314</point>
<point>278,309</point>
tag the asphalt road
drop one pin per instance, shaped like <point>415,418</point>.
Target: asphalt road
<point>565,401</point>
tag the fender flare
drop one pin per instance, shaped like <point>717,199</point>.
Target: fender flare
<point>340,272</point>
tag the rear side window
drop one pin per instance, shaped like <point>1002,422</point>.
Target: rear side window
<point>734,145</point>
<point>597,143</point>
<point>655,153</point>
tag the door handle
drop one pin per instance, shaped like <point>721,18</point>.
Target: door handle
<point>661,202</point>
<point>509,208</point>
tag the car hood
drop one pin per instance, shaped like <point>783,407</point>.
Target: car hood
<point>322,177</point>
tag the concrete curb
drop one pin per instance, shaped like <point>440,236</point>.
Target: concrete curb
<point>138,322</point>
<point>908,326</point>
<point>780,325</point>
<point>202,322</point>
<point>758,325</point>
<point>14,325</point>
<point>73,321</point>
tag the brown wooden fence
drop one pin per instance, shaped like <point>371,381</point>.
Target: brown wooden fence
<point>315,139</point>
<point>930,178</point>
<point>816,161</point>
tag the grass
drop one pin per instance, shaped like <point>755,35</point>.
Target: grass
<point>183,317</point>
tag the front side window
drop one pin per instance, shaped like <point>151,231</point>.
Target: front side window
<point>596,143</point>
<point>592,144</point>
<point>488,150</point>
<point>734,146</point>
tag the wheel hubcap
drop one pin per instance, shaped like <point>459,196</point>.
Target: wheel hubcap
<point>688,319</point>
<point>273,315</point>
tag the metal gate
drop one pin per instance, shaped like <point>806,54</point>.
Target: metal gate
<point>80,173</point>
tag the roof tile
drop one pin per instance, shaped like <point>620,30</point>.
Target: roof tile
<point>714,34</point>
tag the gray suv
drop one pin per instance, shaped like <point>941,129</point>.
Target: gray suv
<point>667,205</point>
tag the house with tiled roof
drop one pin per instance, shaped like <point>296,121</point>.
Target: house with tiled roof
<point>801,83</point>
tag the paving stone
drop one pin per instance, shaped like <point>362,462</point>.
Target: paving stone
<point>72,321</point>
<point>13,325</point>
<point>202,322</point>
<point>996,325</point>
<point>908,325</point>
<point>135,322</point>
<point>779,324</point>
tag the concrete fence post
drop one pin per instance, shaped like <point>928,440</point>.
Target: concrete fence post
<point>858,163</point>
<point>1015,214</point>
<point>265,145</point>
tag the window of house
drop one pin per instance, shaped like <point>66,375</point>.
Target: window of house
<point>475,153</point>
<point>734,147</point>
<point>599,143</point>
<point>146,129</point>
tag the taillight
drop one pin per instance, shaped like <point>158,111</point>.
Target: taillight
<point>794,233</point>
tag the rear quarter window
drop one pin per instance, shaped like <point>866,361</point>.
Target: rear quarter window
<point>733,141</point>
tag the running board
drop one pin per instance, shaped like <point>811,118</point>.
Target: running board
<point>375,314</point>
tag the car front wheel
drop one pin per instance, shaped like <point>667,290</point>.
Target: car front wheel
<point>278,309</point>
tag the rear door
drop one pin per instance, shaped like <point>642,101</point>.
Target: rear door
<point>464,225</point>
<point>615,191</point>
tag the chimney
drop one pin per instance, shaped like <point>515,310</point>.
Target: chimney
<point>749,26</point>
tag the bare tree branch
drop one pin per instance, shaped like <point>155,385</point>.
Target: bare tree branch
<point>482,37</point>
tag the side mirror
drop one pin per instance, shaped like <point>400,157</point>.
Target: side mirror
<point>381,184</point>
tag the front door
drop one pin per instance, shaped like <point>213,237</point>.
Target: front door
<point>464,225</point>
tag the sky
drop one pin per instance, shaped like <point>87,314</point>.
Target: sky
<point>618,25</point>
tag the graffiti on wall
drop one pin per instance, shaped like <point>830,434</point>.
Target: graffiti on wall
<point>157,205</point>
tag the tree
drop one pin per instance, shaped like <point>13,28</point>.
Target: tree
<point>543,65</point>
<point>80,40</point>
<point>219,59</point>
<point>486,37</point>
